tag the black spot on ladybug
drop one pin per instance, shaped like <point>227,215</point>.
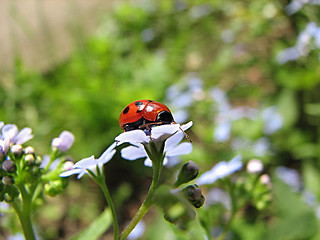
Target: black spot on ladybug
<point>126,110</point>
<point>138,104</point>
<point>150,101</point>
<point>140,110</point>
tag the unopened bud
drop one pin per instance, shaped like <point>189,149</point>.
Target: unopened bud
<point>29,159</point>
<point>188,172</point>
<point>29,150</point>
<point>8,180</point>
<point>9,166</point>
<point>68,165</point>
<point>17,150</point>
<point>194,195</point>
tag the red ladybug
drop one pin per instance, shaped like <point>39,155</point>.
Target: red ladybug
<point>142,114</point>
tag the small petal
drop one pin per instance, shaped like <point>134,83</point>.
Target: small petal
<point>86,163</point>
<point>9,131</point>
<point>164,131</point>
<point>148,162</point>
<point>133,136</point>
<point>173,141</point>
<point>23,136</point>
<point>70,172</point>
<point>186,126</point>
<point>133,153</point>
<point>1,124</point>
<point>181,149</point>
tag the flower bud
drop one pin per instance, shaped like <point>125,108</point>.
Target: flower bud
<point>9,166</point>
<point>29,150</point>
<point>188,172</point>
<point>54,187</point>
<point>68,165</point>
<point>194,195</point>
<point>17,150</point>
<point>29,159</point>
<point>63,142</point>
<point>8,180</point>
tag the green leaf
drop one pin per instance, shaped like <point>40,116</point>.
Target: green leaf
<point>288,107</point>
<point>97,228</point>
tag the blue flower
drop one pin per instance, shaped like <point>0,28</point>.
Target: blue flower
<point>64,142</point>
<point>221,170</point>
<point>170,133</point>
<point>91,164</point>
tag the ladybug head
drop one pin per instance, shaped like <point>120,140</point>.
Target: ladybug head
<point>164,117</point>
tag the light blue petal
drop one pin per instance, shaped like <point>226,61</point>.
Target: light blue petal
<point>133,153</point>
<point>70,172</point>
<point>148,162</point>
<point>106,156</point>
<point>181,149</point>
<point>173,141</point>
<point>108,153</point>
<point>23,136</point>
<point>1,124</point>
<point>164,131</point>
<point>133,136</point>
<point>86,163</point>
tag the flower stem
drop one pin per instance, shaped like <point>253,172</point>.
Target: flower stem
<point>24,214</point>
<point>111,206</point>
<point>157,166</point>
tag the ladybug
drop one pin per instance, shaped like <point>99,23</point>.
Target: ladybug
<point>142,114</point>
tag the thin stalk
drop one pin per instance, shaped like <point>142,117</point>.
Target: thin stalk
<point>111,206</point>
<point>157,166</point>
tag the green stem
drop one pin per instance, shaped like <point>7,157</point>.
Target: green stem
<point>111,206</point>
<point>157,166</point>
<point>24,214</point>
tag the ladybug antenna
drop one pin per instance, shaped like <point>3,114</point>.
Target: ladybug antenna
<point>186,135</point>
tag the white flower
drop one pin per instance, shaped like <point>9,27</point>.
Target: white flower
<point>170,133</point>
<point>64,142</point>
<point>11,134</point>
<point>91,163</point>
<point>221,170</point>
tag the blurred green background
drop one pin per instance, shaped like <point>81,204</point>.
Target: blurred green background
<point>80,77</point>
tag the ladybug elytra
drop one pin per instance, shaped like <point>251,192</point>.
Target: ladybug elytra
<point>142,114</point>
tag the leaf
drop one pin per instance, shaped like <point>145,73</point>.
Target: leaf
<point>97,228</point>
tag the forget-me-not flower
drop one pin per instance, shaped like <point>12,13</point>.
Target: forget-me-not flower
<point>90,164</point>
<point>221,170</point>
<point>272,120</point>
<point>64,142</point>
<point>171,134</point>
